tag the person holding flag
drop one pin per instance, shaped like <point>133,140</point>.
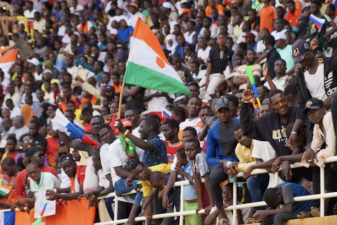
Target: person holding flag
<point>318,26</point>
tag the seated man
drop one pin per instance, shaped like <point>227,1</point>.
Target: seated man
<point>227,195</point>
<point>283,194</point>
<point>69,167</point>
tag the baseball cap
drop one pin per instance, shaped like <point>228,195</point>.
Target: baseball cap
<point>250,35</point>
<point>313,103</point>
<point>222,103</point>
<point>280,36</point>
<point>126,123</point>
<point>300,48</point>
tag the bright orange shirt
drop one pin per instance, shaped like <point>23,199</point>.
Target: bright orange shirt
<point>267,15</point>
<point>117,88</point>
<point>292,18</point>
<point>219,7</point>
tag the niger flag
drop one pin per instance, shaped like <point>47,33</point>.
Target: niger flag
<point>147,65</point>
<point>8,59</point>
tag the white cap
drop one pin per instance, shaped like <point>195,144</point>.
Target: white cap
<point>47,71</point>
<point>34,61</point>
<point>113,31</point>
<point>167,5</point>
<point>280,36</point>
<point>21,22</point>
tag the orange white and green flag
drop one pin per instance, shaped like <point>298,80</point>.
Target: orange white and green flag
<point>147,65</point>
<point>8,59</point>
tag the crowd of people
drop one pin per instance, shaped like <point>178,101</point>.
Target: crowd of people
<point>72,57</point>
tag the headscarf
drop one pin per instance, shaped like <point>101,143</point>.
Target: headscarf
<point>50,65</point>
<point>172,47</point>
<point>43,120</point>
<point>27,112</point>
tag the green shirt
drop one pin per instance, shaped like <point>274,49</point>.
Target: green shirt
<point>287,55</point>
<point>47,182</point>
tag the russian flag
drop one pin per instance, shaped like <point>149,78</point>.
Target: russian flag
<point>319,22</point>
<point>61,123</point>
<point>167,114</point>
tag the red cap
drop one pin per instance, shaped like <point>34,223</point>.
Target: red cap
<point>249,35</point>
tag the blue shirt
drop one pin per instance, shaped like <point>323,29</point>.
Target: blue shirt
<point>158,155</point>
<point>60,64</point>
<point>124,34</point>
<point>102,46</point>
<point>81,49</point>
<point>189,191</point>
<point>221,144</point>
<point>181,50</point>
<point>298,191</point>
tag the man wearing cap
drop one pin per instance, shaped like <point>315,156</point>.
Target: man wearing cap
<point>134,14</point>
<point>285,51</point>
<point>324,131</point>
<point>316,79</point>
<point>241,76</point>
<point>250,41</point>
<point>172,15</point>
<point>221,144</point>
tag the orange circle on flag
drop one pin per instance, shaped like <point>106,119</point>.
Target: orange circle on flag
<point>160,62</point>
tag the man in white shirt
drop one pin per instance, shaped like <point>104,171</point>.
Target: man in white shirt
<point>117,158</point>
<point>14,110</point>
<point>39,23</point>
<point>118,17</point>
<point>207,24</point>
<point>18,128</point>
<point>29,12</point>
<point>12,94</point>
<point>280,72</point>
<point>157,101</point>
<point>76,8</point>
<point>203,51</point>
<point>134,14</point>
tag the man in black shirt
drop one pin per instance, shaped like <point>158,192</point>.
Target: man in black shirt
<point>39,141</point>
<point>218,59</point>
<point>271,127</point>
<point>272,55</point>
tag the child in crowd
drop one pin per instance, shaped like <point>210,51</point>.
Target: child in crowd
<point>184,168</point>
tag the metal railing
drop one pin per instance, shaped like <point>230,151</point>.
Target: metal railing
<point>322,196</point>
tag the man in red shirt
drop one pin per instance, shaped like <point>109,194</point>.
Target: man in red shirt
<point>170,129</point>
<point>292,15</point>
<point>52,146</point>
<point>22,182</point>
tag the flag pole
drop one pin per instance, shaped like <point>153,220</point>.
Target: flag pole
<point>120,101</point>
<point>122,89</point>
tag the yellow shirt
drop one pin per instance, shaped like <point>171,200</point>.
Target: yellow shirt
<point>147,187</point>
<point>78,114</point>
<point>244,154</point>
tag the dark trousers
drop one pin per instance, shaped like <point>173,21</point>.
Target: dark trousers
<point>108,205</point>
<point>124,209</point>
<point>279,219</point>
<point>215,178</point>
<point>257,185</point>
